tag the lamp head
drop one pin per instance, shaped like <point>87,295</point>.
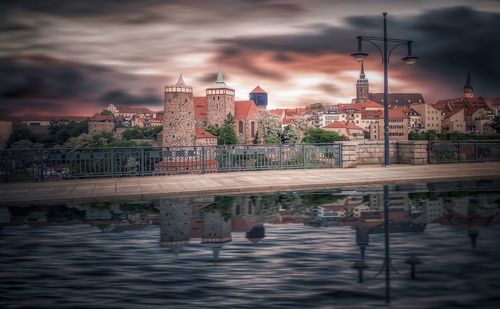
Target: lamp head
<point>409,60</point>
<point>359,56</point>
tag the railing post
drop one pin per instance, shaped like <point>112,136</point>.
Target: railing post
<point>41,168</point>
<point>281,156</point>
<point>112,162</point>
<point>143,163</point>
<point>429,152</point>
<point>203,160</point>
<point>476,154</point>
<point>339,163</point>
<point>458,152</point>
<point>303,156</point>
<point>229,158</point>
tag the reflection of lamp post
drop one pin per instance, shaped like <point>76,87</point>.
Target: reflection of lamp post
<point>362,240</point>
<point>409,59</point>
<point>413,261</point>
<point>360,266</point>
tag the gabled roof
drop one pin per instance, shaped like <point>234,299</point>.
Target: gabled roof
<point>200,108</point>
<point>342,125</point>
<point>370,114</point>
<point>258,90</point>
<point>134,110</point>
<point>200,133</point>
<point>244,109</point>
<point>398,98</point>
<point>397,113</point>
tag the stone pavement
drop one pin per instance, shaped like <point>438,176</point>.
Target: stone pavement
<point>53,192</point>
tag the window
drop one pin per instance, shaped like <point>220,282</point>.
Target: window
<point>240,127</point>
<point>252,129</point>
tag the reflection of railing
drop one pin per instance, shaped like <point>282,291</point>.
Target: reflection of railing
<point>464,151</point>
<point>60,163</point>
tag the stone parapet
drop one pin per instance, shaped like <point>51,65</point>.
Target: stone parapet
<point>372,152</point>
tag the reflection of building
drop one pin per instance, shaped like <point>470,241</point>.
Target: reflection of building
<point>216,231</point>
<point>397,201</point>
<point>175,223</point>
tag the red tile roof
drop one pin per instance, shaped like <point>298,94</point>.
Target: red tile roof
<point>398,98</point>
<point>372,114</point>
<point>200,133</point>
<point>342,125</point>
<point>397,113</point>
<point>258,90</point>
<point>244,109</point>
<point>134,110</point>
<point>200,108</point>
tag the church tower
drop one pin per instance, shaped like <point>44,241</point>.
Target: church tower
<point>362,87</point>
<point>175,223</point>
<point>468,90</point>
<point>178,118</point>
<point>220,101</point>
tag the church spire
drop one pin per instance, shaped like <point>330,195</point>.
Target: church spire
<point>468,90</point>
<point>180,82</point>
<point>362,74</point>
<point>362,86</point>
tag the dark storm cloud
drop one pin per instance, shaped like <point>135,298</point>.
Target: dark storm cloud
<point>28,80</point>
<point>450,42</point>
<point>328,88</point>
<point>121,97</point>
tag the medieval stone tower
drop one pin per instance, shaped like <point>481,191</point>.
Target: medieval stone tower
<point>220,101</point>
<point>468,90</point>
<point>178,119</point>
<point>362,86</point>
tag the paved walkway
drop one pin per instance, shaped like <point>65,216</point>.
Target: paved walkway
<point>239,182</point>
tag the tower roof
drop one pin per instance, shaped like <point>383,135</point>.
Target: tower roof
<point>258,90</point>
<point>219,82</point>
<point>362,73</point>
<point>180,82</point>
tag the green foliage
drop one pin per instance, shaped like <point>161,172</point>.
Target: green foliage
<point>223,205</point>
<point>496,124</point>
<point>25,144</point>
<point>432,135</point>
<point>317,106</point>
<point>22,133</point>
<point>100,140</point>
<point>60,131</point>
<point>320,136</point>
<point>269,127</point>
<point>141,133</point>
<point>256,138</point>
<point>226,135</point>
<point>424,136</point>
<point>106,112</point>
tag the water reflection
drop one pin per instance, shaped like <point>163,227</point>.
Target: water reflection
<point>202,231</point>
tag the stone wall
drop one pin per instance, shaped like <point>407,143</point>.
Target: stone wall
<point>372,152</point>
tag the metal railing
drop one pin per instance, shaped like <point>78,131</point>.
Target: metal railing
<point>464,151</point>
<point>59,163</point>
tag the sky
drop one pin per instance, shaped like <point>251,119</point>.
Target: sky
<point>76,57</point>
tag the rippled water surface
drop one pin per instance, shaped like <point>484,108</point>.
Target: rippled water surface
<point>271,251</point>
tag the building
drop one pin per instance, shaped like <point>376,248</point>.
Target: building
<point>259,96</point>
<point>5,132</point>
<point>347,129</point>
<point>101,123</point>
<point>431,118</point>
<point>220,101</point>
<point>203,138</point>
<point>398,99</point>
<point>478,113</point>
<point>128,112</point>
<point>398,124</point>
<point>245,121</point>
<point>178,119</point>
<point>362,86</point>
<point>175,223</point>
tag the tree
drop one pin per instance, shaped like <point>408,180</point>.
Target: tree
<point>22,133</point>
<point>106,112</point>
<point>269,127</point>
<point>317,106</point>
<point>100,140</point>
<point>496,124</point>
<point>320,136</point>
<point>133,133</point>
<point>294,132</point>
<point>61,131</point>
<point>226,135</point>
<point>25,144</point>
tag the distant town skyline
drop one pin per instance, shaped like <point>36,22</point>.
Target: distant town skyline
<point>76,57</point>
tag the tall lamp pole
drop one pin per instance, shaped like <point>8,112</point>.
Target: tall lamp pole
<point>386,54</point>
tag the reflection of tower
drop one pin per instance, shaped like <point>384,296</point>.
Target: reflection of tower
<point>473,227</point>
<point>256,233</point>
<point>362,239</point>
<point>178,118</point>
<point>216,231</point>
<point>175,223</point>
<point>362,86</point>
<point>220,101</point>
<point>468,90</point>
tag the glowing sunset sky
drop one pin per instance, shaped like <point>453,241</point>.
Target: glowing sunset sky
<point>75,57</point>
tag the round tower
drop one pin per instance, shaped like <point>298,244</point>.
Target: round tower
<point>362,86</point>
<point>259,96</point>
<point>175,223</point>
<point>220,101</point>
<point>216,232</point>
<point>178,118</point>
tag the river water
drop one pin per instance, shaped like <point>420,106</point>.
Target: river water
<point>282,250</point>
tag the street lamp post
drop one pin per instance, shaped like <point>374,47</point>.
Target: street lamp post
<point>386,54</point>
